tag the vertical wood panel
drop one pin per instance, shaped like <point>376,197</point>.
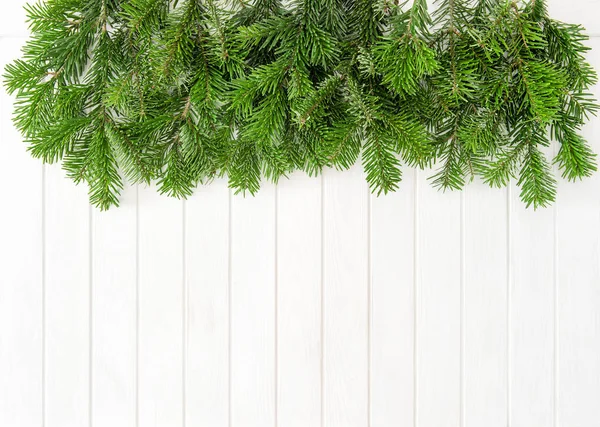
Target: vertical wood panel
<point>253,296</point>
<point>485,306</point>
<point>207,265</point>
<point>91,310</point>
<point>531,305</point>
<point>438,388</point>
<point>578,267</point>
<point>346,299</point>
<point>392,296</point>
<point>21,286</point>
<point>114,313</point>
<point>160,310</point>
<point>67,302</point>
<point>299,301</point>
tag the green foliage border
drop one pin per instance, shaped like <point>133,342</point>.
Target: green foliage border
<point>182,92</point>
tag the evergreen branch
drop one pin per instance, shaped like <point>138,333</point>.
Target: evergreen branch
<point>538,186</point>
<point>380,162</point>
<point>184,91</point>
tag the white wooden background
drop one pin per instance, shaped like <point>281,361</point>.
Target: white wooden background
<point>313,304</point>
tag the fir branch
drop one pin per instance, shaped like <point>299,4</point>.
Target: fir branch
<point>184,91</point>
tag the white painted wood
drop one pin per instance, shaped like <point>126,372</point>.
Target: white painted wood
<point>578,319</point>
<point>346,299</point>
<point>207,329</point>
<point>114,314</point>
<point>67,302</point>
<point>392,304</point>
<point>313,304</point>
<point>253,311</point>
<point>161,310</point>
<point>299,288</point>
<point>578,269</point>
<point>21,281</point>
<point>485,310</point>
<point>531,315</point>
<point>438,307</point>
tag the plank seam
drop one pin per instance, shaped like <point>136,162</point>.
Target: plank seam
<point>322,331</point>
<point>369,304</point>
<point>44,280</point>
<point>184,320</point>
<point>137,305</point>
<point>508,304</point>
<point>229,314</point>
<point>276,302</point>
<point>462,314</point>
<point>416,278</point>
<point>556,319</point>
<point>91,314</point>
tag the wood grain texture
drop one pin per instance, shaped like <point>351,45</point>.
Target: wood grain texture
<point>207,329</point>
<point>485,307</point>
<point>253,314</point>
<point>531,315</point>
<point>392,327</point>
<point>299,292</point>
<point>67,302</point>
<point>346,299</point>
<point>114,314</point>
<point>160,311</point>
<point>578,291</point>
<point>312,304</point>
<point>438,308</point>
<point>21,272</point>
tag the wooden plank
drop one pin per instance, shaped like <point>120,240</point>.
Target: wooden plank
<point>578,269</point>
<point>531,315</point>
<point>392,302</point>
<point>114,313</point>
<point>161,314</point>
<point>346,299</point>
<point>438,305</point>
<point>67,302</point>
<point>299,301</point>
<point>253,296</point>
<point>21,269</point>
<point>485,306</point>
<point>207,272</point>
